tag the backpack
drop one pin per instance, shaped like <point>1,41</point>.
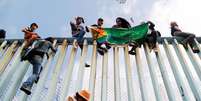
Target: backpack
<point>27,52</point>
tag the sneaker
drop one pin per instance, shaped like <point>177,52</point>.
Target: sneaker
<point>87,65</point>
<point>195,50</point>
<point>75,44</point>
<point>26,89</point>
<point>131,52</point>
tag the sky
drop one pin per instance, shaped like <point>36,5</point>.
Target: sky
<point>53,16</point>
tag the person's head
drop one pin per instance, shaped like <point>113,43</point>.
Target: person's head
<point>151,25</point>
<point>33,26</point>
<point>121,22</point>
<point>50,39</point>
<point>79,20</point>
<point>173,23</point>
<point>83,95</point>
<point>100,22</point>
<point>2,33</point>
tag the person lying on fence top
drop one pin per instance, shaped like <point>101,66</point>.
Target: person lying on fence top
<point>2,34</point>
<point>101,47</point>
<point>152,36</point>
<point>83,95</point>
<point>188,37</point>
<point>78,31</point>
<point>35,57</point>
<point>30,35</point>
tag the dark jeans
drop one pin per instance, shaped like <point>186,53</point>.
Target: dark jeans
<point>79,36</point>
<point>151,39</point>
<point>36,61</point>
<point>188,37</point>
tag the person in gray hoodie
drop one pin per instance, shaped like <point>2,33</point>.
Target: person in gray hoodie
<point>35,57</point>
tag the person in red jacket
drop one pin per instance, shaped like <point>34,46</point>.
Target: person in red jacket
<point>29,34</point>
<point>29,37</point>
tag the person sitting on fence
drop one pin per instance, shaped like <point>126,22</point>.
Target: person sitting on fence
<point>188,37</point>
<point>78,32</point>
<point>83,95</point>
<point>35,57</point>
<point>123,23</point>
<point>101,47</point>
<point>152,36</point>
<point>2,34</point>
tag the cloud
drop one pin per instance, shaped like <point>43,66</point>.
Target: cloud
<point>109,10</point>
<point>185,12</point>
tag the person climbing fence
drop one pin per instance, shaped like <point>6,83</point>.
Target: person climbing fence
<point>188,38</point>
<point>29,33</point>
<point>35,57</point>
<point>29,37</point>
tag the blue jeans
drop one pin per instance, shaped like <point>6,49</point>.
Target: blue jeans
<point>79,36</point>
<point>36,61</point>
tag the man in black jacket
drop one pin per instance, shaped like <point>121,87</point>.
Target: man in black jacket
<point>35,57</point>
<point>152,36</point>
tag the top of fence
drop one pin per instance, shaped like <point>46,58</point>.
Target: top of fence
<point>90,40</point>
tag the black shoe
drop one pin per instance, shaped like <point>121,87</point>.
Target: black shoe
<point>195,50</point>
<point>26,89</point>
<point>100,52</point>
<point>108,46</point>
<point>87,65</point>
<point>131,52</point>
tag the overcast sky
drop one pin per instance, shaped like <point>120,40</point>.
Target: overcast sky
<point>53,16</point>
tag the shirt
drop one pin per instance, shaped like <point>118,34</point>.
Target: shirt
<point>174,29</point>
<point>76,28</point>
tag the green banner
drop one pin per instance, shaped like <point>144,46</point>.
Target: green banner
<point>121,35</point>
